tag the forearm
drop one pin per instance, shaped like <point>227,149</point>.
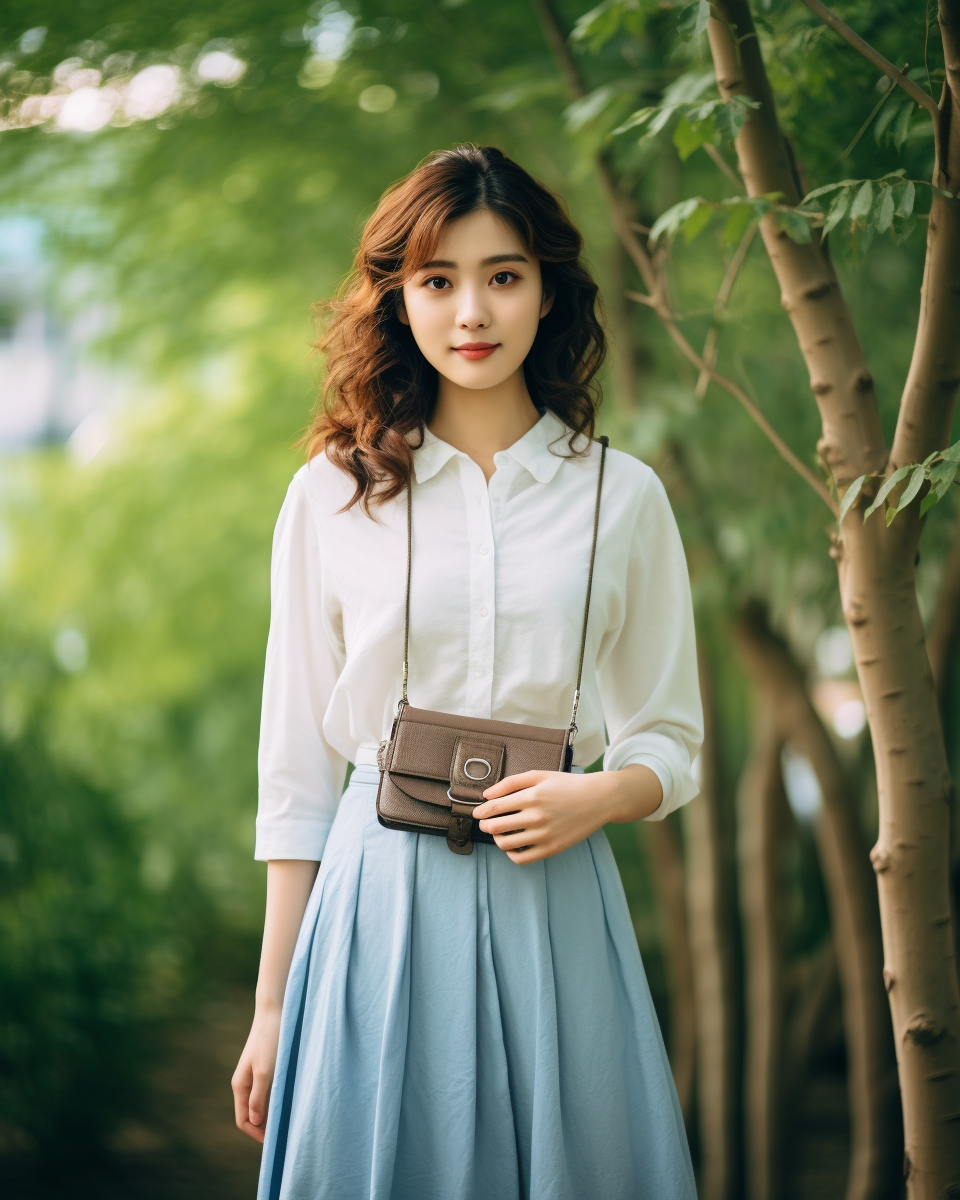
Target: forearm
<point>289,883</point>
<point>630,794</point>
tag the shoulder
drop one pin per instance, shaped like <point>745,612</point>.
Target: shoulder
<point>324,487</point>
<point>633,481</point>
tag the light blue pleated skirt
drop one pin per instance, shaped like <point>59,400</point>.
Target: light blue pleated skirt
<point>462,1028</point>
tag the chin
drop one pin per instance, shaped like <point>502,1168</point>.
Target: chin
<point>478,380</point>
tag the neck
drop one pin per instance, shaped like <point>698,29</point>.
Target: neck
<point>480,422</point>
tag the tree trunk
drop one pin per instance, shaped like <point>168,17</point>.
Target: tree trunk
<point>942,651</point>
<point>715,977</point>
<point>942,638</point>
<point>666,861</point>
<point>762,804</point>
<point>876,572</point>
<point>876,1142</point>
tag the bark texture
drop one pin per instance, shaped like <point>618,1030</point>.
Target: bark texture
<point>715,976</point>
<point>876,573</point>
<point>875,1121</point>
<point>945,626</point>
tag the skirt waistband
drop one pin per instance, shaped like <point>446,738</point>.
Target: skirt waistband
<point>366,755</point>
<point>364,774</point>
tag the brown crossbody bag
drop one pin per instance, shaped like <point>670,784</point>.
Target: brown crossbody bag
<point>434,767</point>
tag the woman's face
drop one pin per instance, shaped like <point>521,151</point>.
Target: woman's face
<point>474,308</point>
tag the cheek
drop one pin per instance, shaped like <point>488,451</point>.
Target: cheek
<point>428,316</point>
<point>520,315</point>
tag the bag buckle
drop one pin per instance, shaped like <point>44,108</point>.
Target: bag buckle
<point>460,826</point>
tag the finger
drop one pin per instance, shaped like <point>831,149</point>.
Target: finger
<point>517,839</point>
<point>514,822</point>
<point>532,854</point>
<point>506,804</point>
<point>241,1083</point>
<point>513,783</point>
<point>257,1132</point>
<point>259,1098</point>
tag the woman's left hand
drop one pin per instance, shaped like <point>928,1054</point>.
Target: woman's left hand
<point>545,812</point>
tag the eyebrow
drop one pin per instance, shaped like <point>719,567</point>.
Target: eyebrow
<point>486,262</point>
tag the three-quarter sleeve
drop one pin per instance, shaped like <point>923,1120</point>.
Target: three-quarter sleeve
<point>300,774</point>
<point>648,681</point>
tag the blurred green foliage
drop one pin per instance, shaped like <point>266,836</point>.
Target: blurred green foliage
<point>135,588</point>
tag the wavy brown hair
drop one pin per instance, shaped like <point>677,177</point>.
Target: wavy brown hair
<point>379,389</point>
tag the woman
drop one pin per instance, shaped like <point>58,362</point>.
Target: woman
<point>440,1026</point>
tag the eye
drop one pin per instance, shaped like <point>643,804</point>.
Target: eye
<point>503,277</point>
<point>436,283</point>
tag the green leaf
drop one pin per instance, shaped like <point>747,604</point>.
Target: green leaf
<point>797,227</point>
<point>837,209</point>
<point>660,119</point>
<point>905,204</point>
<point>604,22</point>
<point>887,487</point>
<point>731,115</point>
<point>885,210</point>
<point>640,117</point>
<point>670,221</point>
<point>849,497</point>
<point>887,114</point>
<point>828,187</point>
<point>862,202</point>
<point>903,229</point>
<point>581,112</point>
<point>697,221</point>
<point>952,454</point>
<point>703,16</point>
<point>737,224</point>
<point>928,502</point>
<point>942,476</point>
<point>688,137</point>
<point>690,86</point>
<point>910,491</point>
<point>902,127</point>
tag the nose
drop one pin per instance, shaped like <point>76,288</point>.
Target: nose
<point>472,312</point>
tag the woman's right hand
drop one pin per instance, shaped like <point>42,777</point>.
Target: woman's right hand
<point>253,1077</point>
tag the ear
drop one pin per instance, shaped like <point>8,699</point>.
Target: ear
<point>547,304</point>
<point>402,309</point>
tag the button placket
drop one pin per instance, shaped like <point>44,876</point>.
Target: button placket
<point>481,568</point>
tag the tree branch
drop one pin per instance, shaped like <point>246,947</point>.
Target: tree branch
<point>930,392</point>
<point>874,56</point>
<point>656,298</point>
<point>739,394</point>
<point>854,913</point>
<point>852,443</point>
<point>713,153</point>
<point>712,339</point>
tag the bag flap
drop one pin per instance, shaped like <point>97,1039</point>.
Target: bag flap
<point>425,743</point>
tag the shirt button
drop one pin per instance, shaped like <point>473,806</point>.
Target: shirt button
<point>483,612</point>
<point>484,549</point>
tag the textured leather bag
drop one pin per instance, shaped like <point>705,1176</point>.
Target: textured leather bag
<point>435,767</point>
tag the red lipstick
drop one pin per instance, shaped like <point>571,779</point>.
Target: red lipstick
<point>474,350</point>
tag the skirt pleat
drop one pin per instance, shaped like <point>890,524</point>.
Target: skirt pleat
<point>461,1028</point>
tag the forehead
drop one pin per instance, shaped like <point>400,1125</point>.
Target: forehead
<point>477,236</point>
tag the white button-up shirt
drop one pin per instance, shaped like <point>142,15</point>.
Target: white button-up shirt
<point>498,588</point>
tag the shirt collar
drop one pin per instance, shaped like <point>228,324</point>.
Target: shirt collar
<point>532,451</point>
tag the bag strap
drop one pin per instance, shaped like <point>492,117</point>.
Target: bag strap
<point>604,443</point>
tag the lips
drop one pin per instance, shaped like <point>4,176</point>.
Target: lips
<point>475,350</point>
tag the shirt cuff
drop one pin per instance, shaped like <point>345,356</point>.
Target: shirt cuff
<point>290,838</point>
<point>676,778</point>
